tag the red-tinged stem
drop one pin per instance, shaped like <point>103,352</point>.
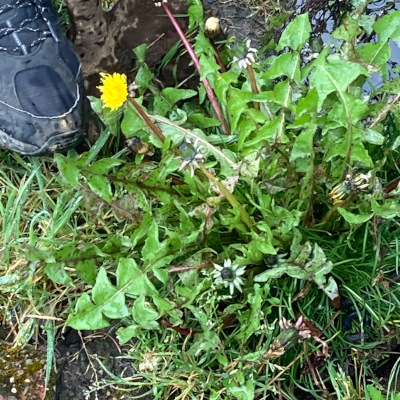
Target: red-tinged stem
<point>222,67</point>
<point>210,92</point>
<point>156,130</point>
<point>254,87</point>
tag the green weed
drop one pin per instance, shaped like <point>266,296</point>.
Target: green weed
<point>299,191</point>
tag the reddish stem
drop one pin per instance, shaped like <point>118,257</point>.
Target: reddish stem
<point>210,92</point>
<point>218,59</point>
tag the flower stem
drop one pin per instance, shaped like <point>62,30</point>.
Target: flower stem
<point>210,92</point>
<point>244,216</point>
<point>157,131</point>
<point>218,59</point>
<point>253,83</point>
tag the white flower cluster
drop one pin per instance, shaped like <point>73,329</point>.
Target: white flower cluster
<point>159,3</point>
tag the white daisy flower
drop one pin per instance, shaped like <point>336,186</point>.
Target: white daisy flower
<point>229,275</point>
<point>244,55</point>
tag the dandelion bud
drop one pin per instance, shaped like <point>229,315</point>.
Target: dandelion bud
<point>212,27</point>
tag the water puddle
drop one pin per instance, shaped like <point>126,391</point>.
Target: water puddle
<point>325,18</point>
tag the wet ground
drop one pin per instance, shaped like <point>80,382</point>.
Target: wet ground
<point>79,374</point>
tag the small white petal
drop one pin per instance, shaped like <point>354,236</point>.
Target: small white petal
<point>231,288</point>
<point>251,57</point>
<point>237,286</point>
<point>218,267</point>
<point>228,263</point>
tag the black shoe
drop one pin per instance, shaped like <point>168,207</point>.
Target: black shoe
<point>41,91</point>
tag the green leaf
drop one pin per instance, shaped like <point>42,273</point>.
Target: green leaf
<point>223,84</point>
<point>208,66</point>
<point>87,316</point>
<point>102,166</point>
<point>334,76</point>
<point>371,136</point>
<point>287,64</point>
<point>132,123</point>
<point>57,274</point>
<point>108,298</point>
<point>243,392</point>
<point>376,54</point>
<point>195,13</point>
<point>389,209</point>
<point>87,270</point>
<point>100,185</point>
<point>252,322</point>
<point>144,314</point>
<point>68,169</point>
<point>143,77</point>
<point>140,52</point>
<point>237,105</point>
<point>131,279</point>
<point>173,95</point>
<point>388,27</point>
<point>296,34</point>
<point>375,393</point>
<point>348,30</point>
<point>354,219</point>
<point>124,335</point>
<point>303,146</point>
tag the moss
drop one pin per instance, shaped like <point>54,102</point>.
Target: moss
<point>22,372</point>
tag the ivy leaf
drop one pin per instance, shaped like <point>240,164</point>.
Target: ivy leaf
<point>354,219</point>
<point>296,33</point>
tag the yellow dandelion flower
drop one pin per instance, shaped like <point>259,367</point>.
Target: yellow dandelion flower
<point>114,90</point>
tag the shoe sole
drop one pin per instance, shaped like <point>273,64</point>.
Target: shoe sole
<point>57,143</point>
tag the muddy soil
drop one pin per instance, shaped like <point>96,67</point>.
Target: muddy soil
<point>81,377</point>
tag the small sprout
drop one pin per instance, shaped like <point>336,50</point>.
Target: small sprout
<point>229,275</point>
<point>212,27</point>
<point>114,90</point>
<point>244,55</point>
<point>191,155</point>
